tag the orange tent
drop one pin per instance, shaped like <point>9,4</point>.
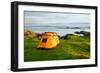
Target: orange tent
<point>48,40</point>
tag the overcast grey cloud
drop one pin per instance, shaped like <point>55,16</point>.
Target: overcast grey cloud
<point>54,18</point>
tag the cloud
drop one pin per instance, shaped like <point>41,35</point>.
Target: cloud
<point>54,18</point>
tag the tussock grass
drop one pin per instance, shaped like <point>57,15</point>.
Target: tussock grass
<point>73,47</point>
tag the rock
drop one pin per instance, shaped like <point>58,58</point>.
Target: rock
<point>85,33</point>
<point>30,34</point>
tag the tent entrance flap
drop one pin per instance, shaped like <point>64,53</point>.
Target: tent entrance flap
<point>44,40</point>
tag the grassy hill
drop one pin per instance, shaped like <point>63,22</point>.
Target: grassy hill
<point>71,47</point>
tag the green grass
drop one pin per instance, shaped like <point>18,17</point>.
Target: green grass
<point>74,47</point>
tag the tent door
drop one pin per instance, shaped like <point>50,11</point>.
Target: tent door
<point>44,40</point>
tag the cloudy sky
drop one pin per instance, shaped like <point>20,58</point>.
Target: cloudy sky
<point>38,18</point>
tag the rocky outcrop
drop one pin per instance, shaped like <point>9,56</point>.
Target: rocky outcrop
<point>30,34</point>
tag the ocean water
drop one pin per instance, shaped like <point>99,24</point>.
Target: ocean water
<point>61,30</point>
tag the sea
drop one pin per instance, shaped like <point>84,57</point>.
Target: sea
<point>60,30</point>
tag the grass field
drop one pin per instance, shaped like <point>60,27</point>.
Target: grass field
<point>74,47</point>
